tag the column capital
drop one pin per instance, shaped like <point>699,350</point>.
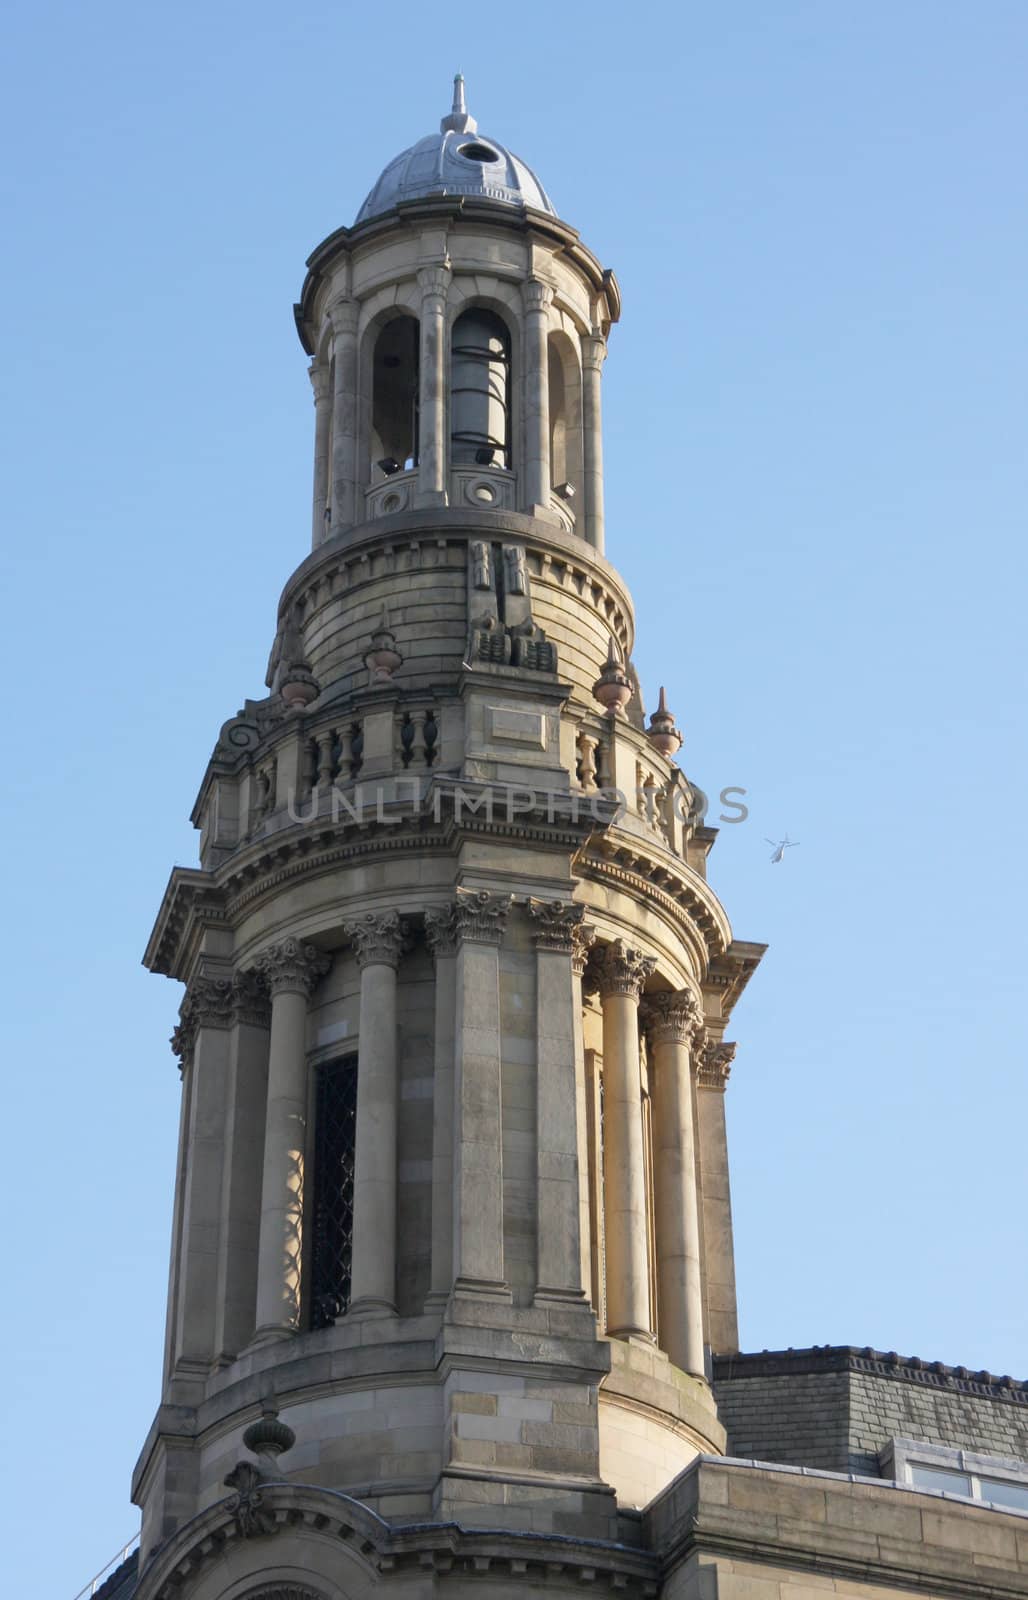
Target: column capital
<point>481,917</point>
<point>250,1000</point>
<point>378,938</point>
<point>319,374</point>
<point>343,314</point>
<point>435,279</point>
<point>672,1017</point>
<point>714,1064</point>
<point>558,925</point>
<point>620,969</point>
<point>441,930</point>
<point>536,295</point>
<point>293,967</point>
<point>594,351</point>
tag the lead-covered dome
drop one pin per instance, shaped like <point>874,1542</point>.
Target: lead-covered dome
<point>456,160</point>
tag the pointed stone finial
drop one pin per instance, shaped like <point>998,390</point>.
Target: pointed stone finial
<point>458,121</point>
<point>613,687</point>
<point>383,658</point>
<point>662,733</point>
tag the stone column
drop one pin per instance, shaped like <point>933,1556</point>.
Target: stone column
<point>535,397</point>
<point>441,934</point>
<point>478,1127</point>
<point>245,1112</point>
<point>344,315</point>
<point>321,384</point>
<point>202,1038</point>
<point>291,970</point>
<point>672,1021</point>
<point>713,1065</point>
<point>621,972</point>
<point>434,283</point>
<point>378,942</point>
<point>594,350</point>
<point>561,944</point>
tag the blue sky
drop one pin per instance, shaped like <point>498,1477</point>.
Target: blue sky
<point>816,489</point>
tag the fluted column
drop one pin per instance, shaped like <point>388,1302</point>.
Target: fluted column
<point>713,1065</point>
<point>536,396</point>
<point>434,283</point>
<point>478,1125</point>
<point>620,973</point>
<point>320,377</point>
<point>291,970</point>
<point>672,1021</point>
<point>594,352</point>
<point>441,934</point>
<point>378,943</point>
<point>560,943</point>
<point>202,1040</point>
<point>344,315</point>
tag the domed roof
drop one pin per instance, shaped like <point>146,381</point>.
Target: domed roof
<point>456,160</point>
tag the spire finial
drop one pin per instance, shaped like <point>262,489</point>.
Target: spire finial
<point>458,121</point>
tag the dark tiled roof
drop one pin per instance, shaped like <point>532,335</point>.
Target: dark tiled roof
<point>122,1583</point>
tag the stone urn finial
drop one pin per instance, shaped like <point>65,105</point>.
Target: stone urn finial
<point>383,658</point>
<point>662,733</point>
<point>269,1438</point>
<point>297,684</point>
<point>613,687</point>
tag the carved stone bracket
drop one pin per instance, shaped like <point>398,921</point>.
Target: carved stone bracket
<point>619,969</point>
<point>714,1064</point>
<point>252,1517</point>
<point>481,917</point>
<point>378,938</point>
<point>673,1017</point>
<point>293,965</point>
<point>441,931</point>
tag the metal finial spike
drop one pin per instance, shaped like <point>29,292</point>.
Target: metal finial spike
<point>458,121</point>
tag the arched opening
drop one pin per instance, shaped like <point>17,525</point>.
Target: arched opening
<point>565,393</point>
<point>394,399</point>
<point>479,390</point>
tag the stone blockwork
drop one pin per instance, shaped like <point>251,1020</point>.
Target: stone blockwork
<point>835,1408</point>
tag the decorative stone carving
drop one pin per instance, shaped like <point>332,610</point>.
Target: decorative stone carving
<point>481,565</point>
<point>515,573</point>
<point>537,296</point>
<point>583,939</point>
<point>252,1518</point>
<point>481,917</point>
<point>674,1016</point>
<point>207,1003</point>
<point>344,315</point>
<point>378,937</point>
<point>250,998</point>
<point>557,924</point>
<point>435,280</point>
<point>283,1591</point>
<point>619,969</point>
<point>293,965</point>
<point>441,931</point>
<point>383,658</point>
<point>714,1064</point>
<point>662,733</point>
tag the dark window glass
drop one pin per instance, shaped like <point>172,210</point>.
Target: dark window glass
<point>335,1125</point>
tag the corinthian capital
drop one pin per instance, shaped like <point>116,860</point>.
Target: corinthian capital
<point>441,930</point>
<point>378,938</point>
<point>621,969</point>
<point>481,917</point>
<point>207,1003</point>
<point>292,966</point>
<point>558,923</point>
<point>672,1017</point>
<point>250,998</point>
<point>714,1064</point>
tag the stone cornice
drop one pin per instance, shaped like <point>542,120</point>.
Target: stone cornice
<point>331,1518</point>
<point>683,896</point>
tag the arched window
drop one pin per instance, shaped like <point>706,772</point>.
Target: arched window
<point>335,1125</point>
<point>394,399</point>
<point>479,390</point>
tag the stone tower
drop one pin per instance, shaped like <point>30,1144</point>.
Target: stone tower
<point>452,1237</point>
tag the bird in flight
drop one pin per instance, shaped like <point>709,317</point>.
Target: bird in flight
<point>780,846</point>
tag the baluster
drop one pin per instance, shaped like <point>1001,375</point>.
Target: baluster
<point>431,734</point>
<point>325,742</point>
